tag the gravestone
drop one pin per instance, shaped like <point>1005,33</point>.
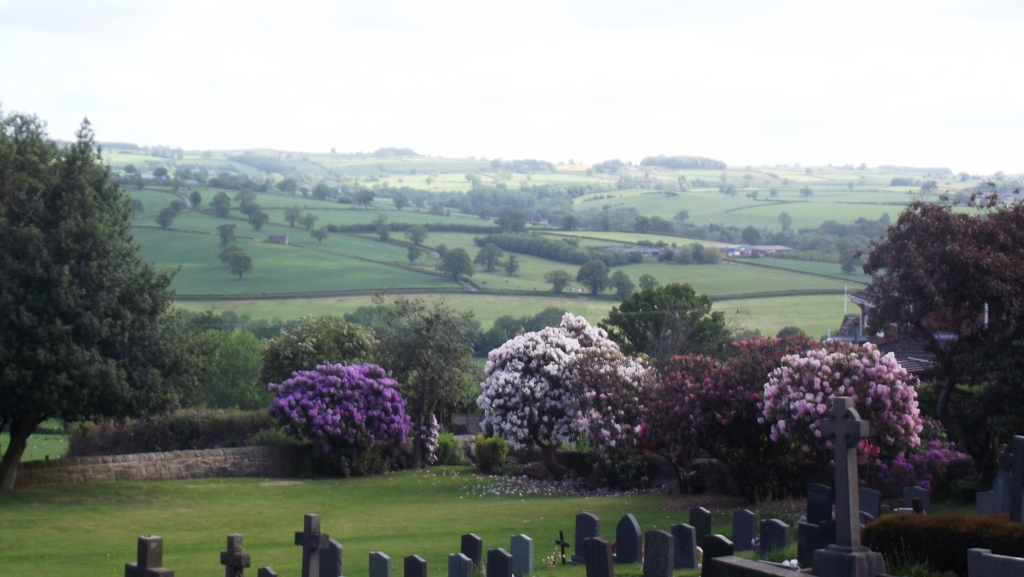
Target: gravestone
<point>847,557</point>
<point>380,564</point>
<point>499,563</point>
<point>871,502</point>
<point>659,554</point>
<point>473,547</point>
<point>819,503</point>
<point>808,540</point>
<point>911,493</point>
<point>774,535</point>
<point>716,546</point>
<point>149,559</point>
<point>700,519</point>
<point>865,518</point>
<point>266,572</point>
<point>459,565</point>
<point>628,548</point>
<point>988,502</point>
<point>587,526</point>
<point>522,555</point>
<point>685,537</point>
<point>744,529</point>
<point>331,559</point>
<point>415,566</point>
<point>982,563</point>
<point>562,544</point>
<point>598,554</point>
<point>312,542</point>
<point>234,559</point>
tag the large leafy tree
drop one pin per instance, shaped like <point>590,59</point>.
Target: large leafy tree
<point>594,276</point>
<point>316,341</point>
<point>489,257</point>
<point>455,263</point>
<point>664,321</point>
<point>85,325</point>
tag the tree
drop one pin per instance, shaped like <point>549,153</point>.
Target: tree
<point>292,214</point>
<point>137,207</point>
<point>511,221</point>
<point>86,327</point>
<point>429,351</point>
<point>316,341</point>
<point>665,321</point>
<point>806,191</point>
<point>160,172</point>
<point>258,219</point>
<point>751,235</point>
<point>245,196</point>
<point>785,221</point>
<point>309,220</point>
<point>622,284</point>
<point>177,206</point>
<point>400,200</point>
<point>288,186</point>
<point>381,227</point>
<point>558,278</point>
<point>489,257</point>
<point>166,217</point>
<point>364,197</point>
<point>322,191</point>
<point>130,169</point>
<point>227,233</point>
<point>648,282</point>
<point>195,198</point>
<point>235,381</point>
<point>682,215</point>
<point>320,234</point>
<point>237,260</point>
<point>416,234</point>
<point>642,225</point>
<point>594,276</point>
<point>773,192</point>
<point>848,255</point>
<point>569,222</point>
<point>511,265</point>
<point>456,263</point>
<point>221,204</point>
<point>414,253</point>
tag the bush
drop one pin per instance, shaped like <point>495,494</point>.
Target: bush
<point>178,431</point>
<point>490,453</point>
<point>449,450</point>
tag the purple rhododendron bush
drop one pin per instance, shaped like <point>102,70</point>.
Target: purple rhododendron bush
<point>345,410</point>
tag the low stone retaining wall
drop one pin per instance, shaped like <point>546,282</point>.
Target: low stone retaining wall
<point>237,462</point>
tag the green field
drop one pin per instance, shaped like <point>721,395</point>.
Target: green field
<point>39,446</point>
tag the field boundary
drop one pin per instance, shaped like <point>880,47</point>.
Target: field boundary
<point>817,274</point>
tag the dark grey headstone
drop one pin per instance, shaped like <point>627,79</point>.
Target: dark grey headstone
<point>659,554</point>
<point>331,560</point>
<point>744,529</point>
<point>628,548</point>
<point>976,562</point>
<point>598,553</point>
<point>459,565</point>
<point>871,502</point>
<point>810,538</point>
<point>774,535</point>
<point>149,559</point>
<point>522,555</point>
<point>473,547</point>
<point>685,537</point>
<point>988,502</point>
<point>865,518</point>
<point>700,519</point>
<point>587,526</point>
<point>1002,566</point>
<point>380,564</point>
<point>415,566</point>
<point>716,546</point>
<point>911,493</point>
<point>266,572</point>
<point>819,503</point>
<point>499,563</point>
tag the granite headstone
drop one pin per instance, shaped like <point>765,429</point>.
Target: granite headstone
<point>911,493</point>
<point>819,503</point>
<point>774,535</point>
<point>685,537</point>
<point>598,553</point>
<point>380,564</point>
<point>628,548</point>
<point>587,526</point>
<point>459,565</point>
<point>499,563</point>
<point>700,519</point>
<point>473,547</point>
<point>744,529</point>
<point>659,554</point>
<point>522,555</point>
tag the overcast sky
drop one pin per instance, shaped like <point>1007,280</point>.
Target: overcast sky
<point>930,83</point>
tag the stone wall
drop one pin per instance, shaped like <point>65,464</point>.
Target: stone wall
<point>238,462</point>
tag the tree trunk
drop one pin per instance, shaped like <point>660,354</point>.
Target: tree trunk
<point>21,429</point>
<point>417,444</point>
<point>549,460</point>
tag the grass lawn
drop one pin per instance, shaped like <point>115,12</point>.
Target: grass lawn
<point>39,446</point>
<point>814,314</point>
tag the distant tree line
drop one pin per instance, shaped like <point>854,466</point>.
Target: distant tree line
<point>557,250</point>
<point>265,163</point>
<point>683,162</point>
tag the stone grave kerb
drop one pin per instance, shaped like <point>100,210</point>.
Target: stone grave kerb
<point>235,560</point>
<point>149,559</point>
<point>312,541</point>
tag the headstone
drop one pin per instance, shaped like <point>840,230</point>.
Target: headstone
<point>598,554</point>
<point>871,502</point>
<point>312,541</point>
<point>659,554</point>
<point>331,559</point>
<point>459,565</point>
<point>700,519</point>
<point>1002,566</point>
<point>847,557</point>
<point>774,535</point>
<point>819,503</point>
<point>628,548</point>
<point>415,566</point>
<point>716,546</point>
<point>499,563</point>
<point>911,493</point>
<point>744,529</point>
<point>473,547</point>
<point>380,564</point>
<point>234,559</point>
<point>149,559</point>
<point>988,503</point>
<point>562,544</point>
<point>865,518</point>
<point>809,539</point>
<point>522,555</point>
<point>976,561</point>
<point>266,572</point>
<point>587,526</point>
<point>685,537</point>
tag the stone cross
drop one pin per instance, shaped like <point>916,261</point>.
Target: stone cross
<point>149,559</point>
<point>234,560</point>
<point>312,541</point>
<point>562,544</point>
<point>848,429</point>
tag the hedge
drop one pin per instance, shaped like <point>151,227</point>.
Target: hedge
<point>943,540</point>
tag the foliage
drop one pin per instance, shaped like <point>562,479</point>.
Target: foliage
<point>683,162</point>
<point>417,234</point>
<point>166,217</point>
<point>594,276</point>
<point>506,327</point>
<point>413,253</point>
<point>545,247</point>
<point>558,278</point>
<point>489,257</point>
<point>316,340</point>
<point>926,468</point>
<point>455,263</point>
<point>343,408</point>
<point>226,233</point>
<point>236,375</point>
<point>221,204</point>
<point>622,284</point>
<point>648,282</point>
<point>237,259</point>
<point>511,265</point>
<point>449,450</point>
<point>490,453</point>
<point>292,214</point>
<point>320,234</point>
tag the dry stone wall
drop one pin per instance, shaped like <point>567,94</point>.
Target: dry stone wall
<point>237,462</point>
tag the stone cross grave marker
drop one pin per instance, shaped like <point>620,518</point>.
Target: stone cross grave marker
<point>562,544</point>
<point>473,547</point>
<point>499,563</point>
<point>774,535</point>
<point>628,548</point>
<point>312,541</point>
<point>149,559</point>
<point>744,528</point>
<point>587,526</point>
<point>331,559</point>
<point>459,565</point>
<point>598,553</point>
<point>380,564</point>
<point>415,566</point>
<point>659,554</point>
<point>522,555</point>
<point>700,519</point>
<point>819,503</point>
<point>685,537</point>
<point>234,559</point>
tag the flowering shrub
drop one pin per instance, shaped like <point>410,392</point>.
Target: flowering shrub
<point>345,409</point>
<point>428,433</point>
<point>926,468</point>
<point>798,395</point>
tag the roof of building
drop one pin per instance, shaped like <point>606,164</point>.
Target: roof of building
<point>910,352</point>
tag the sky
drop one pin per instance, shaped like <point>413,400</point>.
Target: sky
<point>915,83</point>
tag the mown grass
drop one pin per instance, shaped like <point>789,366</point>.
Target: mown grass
<point>39,446</point>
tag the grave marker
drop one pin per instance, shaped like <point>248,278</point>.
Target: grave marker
<point>459,565</point>
<point>330,559</point>
<point>598,553</point>
<point>700,519</point>
<point>819,503</point>
<point>562,544</point>
<point>415,566</point>
<point>744,528</point>
<point>149,559</point>
<point>380,564</point>
<point>522,555</point>
<point>234,559</point>
<point>659,554</point>
<point>266,572</point>
<point>473,547</point>
<point>587,526</point>
<point>312,541</point>
<point>774,535</point>
<point>716,546</point>
<point>628,548</point>
<point>499,563</point>
<point>911,493</point>
<point>871,502</point>
<point>685,537</point>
